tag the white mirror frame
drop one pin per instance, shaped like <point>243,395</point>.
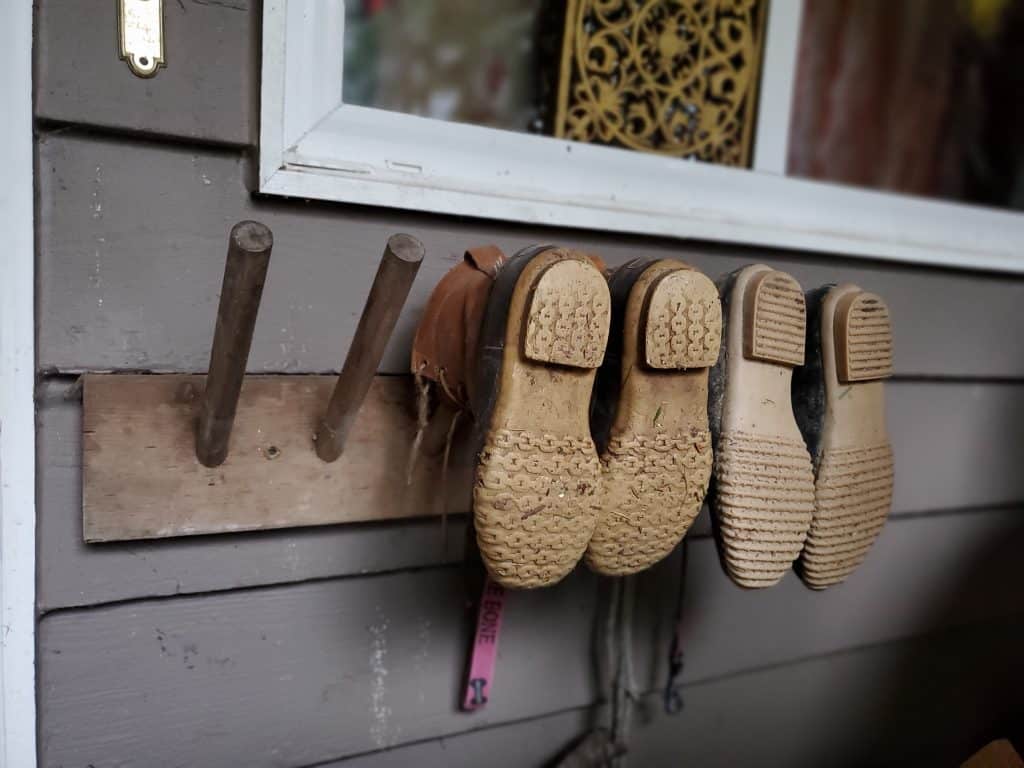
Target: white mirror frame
<point>314,146</point>
<point>17,385</point>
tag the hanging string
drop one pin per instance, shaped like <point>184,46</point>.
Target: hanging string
<point>444,385</point>
<point>422,420</point>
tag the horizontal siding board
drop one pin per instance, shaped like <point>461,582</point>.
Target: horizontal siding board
<point>924,701</point>
<point>131,257</point>
<point>957,445</point>
<point>930,701</point>
<point>292,675</point>
<point>523,744</point>
<point>302,674</point>
<point>922,573</point>
<point>207,91</point>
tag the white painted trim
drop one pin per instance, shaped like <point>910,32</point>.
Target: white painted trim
<point>272,90</point>
<point>17,408</point>
<point>775,96</point>
<point>370,156</point>
<point>313,71</point>
<point>302,73</point>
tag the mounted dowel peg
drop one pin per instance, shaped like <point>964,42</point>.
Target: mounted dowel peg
<point>245,271</point>
<point>398,267</point>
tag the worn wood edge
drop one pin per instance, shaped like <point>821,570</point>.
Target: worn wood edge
<point>272,477</point>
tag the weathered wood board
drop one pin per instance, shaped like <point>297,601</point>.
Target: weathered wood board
<point>964,439</point>
<point>141,479</point>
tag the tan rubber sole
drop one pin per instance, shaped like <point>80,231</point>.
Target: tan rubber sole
<point>657,464</point>
<point>538,481</point>
<point>764,479</point>
<point>853,491</point>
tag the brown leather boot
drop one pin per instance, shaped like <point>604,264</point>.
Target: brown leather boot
<point>444,348</point>
<point>539,325</point>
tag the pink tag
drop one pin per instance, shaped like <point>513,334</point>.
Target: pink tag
<point>485,646</point>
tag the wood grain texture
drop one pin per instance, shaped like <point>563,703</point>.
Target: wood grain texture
<point>107,308</point>
<point>206,92</point>
<point>293,675</point>
<point>73,573</point>
<point>923,701</point>
<point>141,478</point>
<point>245,272</point>
<point>955,435</point>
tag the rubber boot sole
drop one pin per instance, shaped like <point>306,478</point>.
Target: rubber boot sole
<point>657,462</point>
<point>853,489</point>
<point>538,480</point>
<point>764,481</point>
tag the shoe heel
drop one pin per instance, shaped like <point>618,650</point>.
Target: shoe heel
<point>775,319</point>
<point>567,320</point>
<point>684,322</point>
<point>863,340</point>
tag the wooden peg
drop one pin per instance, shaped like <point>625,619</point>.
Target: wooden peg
<point>245,271</point>
<point>398,267</point>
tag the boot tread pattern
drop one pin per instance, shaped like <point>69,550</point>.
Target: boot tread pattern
<point>765,501</point>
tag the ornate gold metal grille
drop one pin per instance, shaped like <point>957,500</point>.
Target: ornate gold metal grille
<point>676,77</point>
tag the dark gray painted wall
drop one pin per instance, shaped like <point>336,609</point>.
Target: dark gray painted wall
<point>289,648</point>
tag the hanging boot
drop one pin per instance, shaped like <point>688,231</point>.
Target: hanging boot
<point>839,400</point>
<point>651,417</point>
<point>541,326</point>
<point>763,496</point>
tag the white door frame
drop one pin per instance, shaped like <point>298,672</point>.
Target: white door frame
<point>17,406</point>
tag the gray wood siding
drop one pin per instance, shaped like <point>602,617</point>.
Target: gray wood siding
<point>208,91</point>
<point>926,702</point>
<point>125,216</point>
<point>327,645</point>
<point>299,674</point>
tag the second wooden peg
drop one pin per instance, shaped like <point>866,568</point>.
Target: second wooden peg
<point>398,267</point>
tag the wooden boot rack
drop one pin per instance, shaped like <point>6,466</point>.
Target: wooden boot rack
<point>176,454</point>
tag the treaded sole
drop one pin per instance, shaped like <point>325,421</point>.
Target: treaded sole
<point>684,322</point>
<point>765,502</point>
<point>776,318</point>
<point>535,504</point>
<point>657,464</point>
<point>853,498</point>
<point>863,340</point>
<point>853,492</point>
<point>764,498</point>
<point>567,322</point>
<point>538,488</point>
<point>654,489</point>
